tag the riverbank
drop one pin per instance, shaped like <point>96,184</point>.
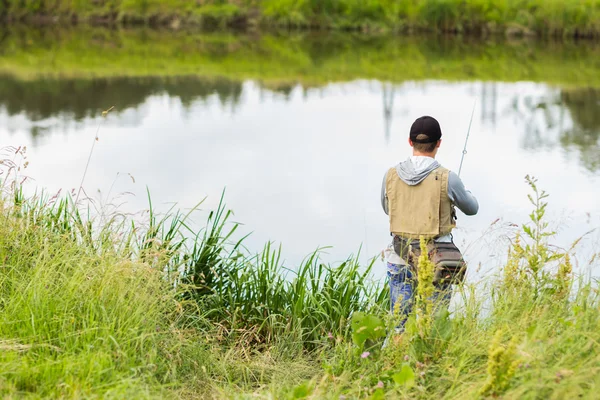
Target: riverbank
<point>556,18</point>
<point>111,309</point>
<point>285,60</point>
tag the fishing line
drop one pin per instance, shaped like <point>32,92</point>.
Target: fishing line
<point>467,138</point>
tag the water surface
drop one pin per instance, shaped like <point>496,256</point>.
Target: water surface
<point>302,162</point>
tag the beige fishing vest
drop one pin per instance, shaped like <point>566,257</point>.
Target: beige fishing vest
<point>420,210</point>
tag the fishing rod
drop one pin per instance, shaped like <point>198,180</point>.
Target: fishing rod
<point>467,139</point>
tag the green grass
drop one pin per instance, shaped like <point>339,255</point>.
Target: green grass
<point>77,320</point>
<point>99,309</point>
<point>282,61</point>
<point>113,309</point>
<point>543,17</point>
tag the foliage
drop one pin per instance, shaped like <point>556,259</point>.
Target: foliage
<point>529,262</point>
<point>78,319</point>
<point>554,17</point>
<point>528,327</point>
<point>502,365</point>
<point>366,327</point>
<point>259,294</point>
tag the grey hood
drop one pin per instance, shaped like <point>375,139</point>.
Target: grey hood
<point>413,171</point>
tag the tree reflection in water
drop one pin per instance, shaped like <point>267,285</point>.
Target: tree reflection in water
<point>569,117</point>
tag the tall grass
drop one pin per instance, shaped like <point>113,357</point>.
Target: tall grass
<point>543,17</point>
<point>79,316</point>
<point>529,332</point>
<point>76,320</point>
<point>115,310</point>
<point>306,305</point>
<point>259,296</point>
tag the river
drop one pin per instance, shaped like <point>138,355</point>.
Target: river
<point>301,157</point>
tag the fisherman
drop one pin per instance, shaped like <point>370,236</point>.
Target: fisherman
<point>420,196</point>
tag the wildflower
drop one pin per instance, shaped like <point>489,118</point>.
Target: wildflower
<point>365,354</point>
<point>379,385</point>
<point>406,358</point>
<point>425,289</point>
<point>563,276</point>
<point>502,365</point>
<point>330,335</point>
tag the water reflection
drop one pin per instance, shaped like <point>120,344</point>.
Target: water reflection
<point>568,117</point>
<point>41,99</point>
<point>584,108</point>
<point>388,106</point>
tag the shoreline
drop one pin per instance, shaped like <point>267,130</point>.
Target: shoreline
<point>452,17</point>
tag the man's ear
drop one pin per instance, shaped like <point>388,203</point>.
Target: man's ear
<point>410,142</point>
<point>438,143</point>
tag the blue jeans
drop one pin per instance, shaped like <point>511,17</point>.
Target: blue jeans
<point>402,291</point>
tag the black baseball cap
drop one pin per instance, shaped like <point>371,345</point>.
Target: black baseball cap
<point>428,126</point>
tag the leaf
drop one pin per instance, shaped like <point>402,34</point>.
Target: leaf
<point>531,199</point>
<point>410,327</point>
<point>565,322</point>
<point>531,330</point>
<point>378,394</point>
<point>442,325</point>
<point>365,327</point>
<point>405,377</point>
<point>555,257</point>
<point>302,391</point>
<point>528,231</point>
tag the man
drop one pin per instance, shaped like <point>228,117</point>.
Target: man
<point>419,195</point>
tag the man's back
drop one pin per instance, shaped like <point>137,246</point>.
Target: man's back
<point>421,209</point>
<point>421,196</point>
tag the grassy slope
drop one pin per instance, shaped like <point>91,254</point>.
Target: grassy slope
<point>550,17</point>
<point>84,314</point>
<point>276,60</point>
<point>75,323</point>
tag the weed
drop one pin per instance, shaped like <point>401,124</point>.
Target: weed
<point>502,365</point>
